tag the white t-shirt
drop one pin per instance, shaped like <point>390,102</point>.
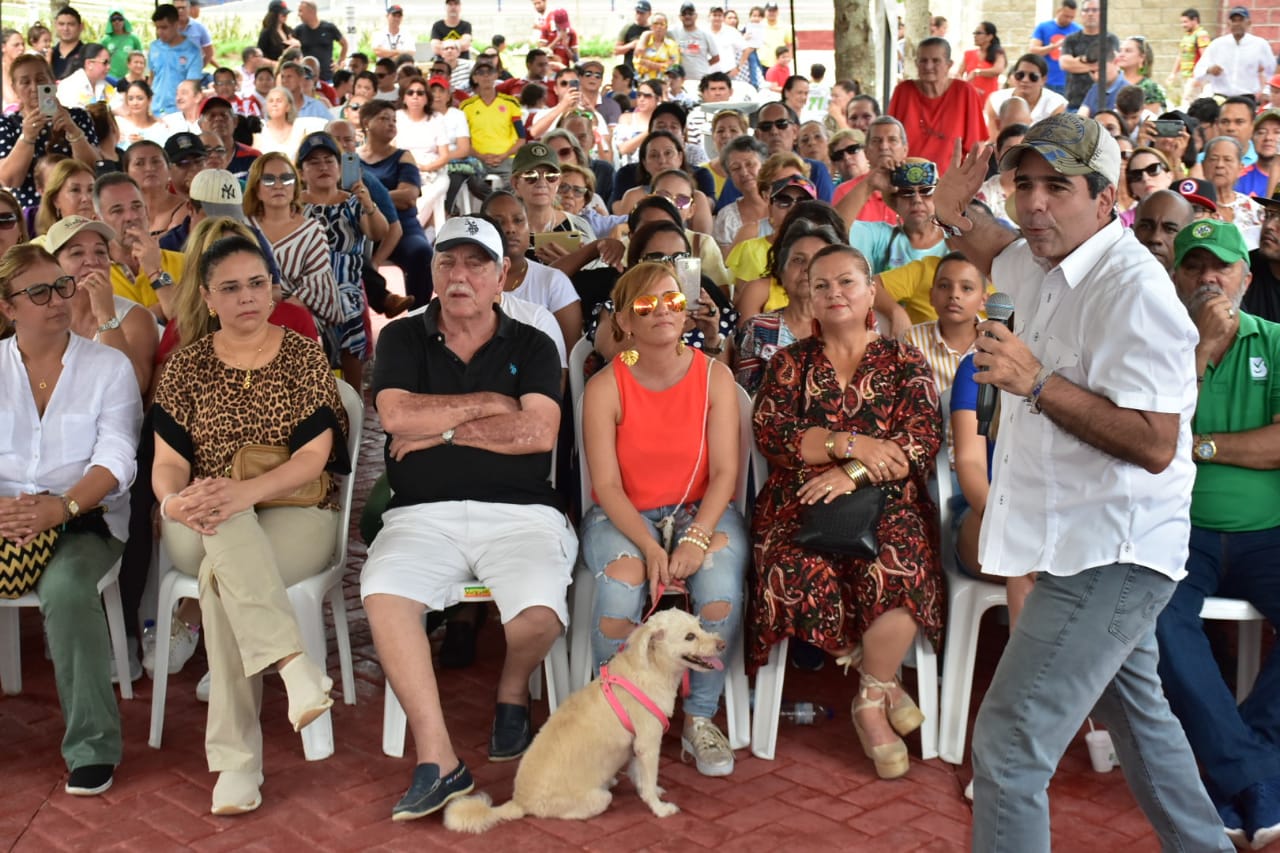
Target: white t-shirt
<point>455,123</point>
<point>423,139</point>
<point>401,42</point>
<point>1049,101</point>
<point>730,44</point>
<point>540,318</point>
<point>546,286</point>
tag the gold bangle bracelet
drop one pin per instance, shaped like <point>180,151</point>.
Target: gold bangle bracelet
<point>830,444</point>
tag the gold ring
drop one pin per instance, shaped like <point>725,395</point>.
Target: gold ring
<point>829,488</point>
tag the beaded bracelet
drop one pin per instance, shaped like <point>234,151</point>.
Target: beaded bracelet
<point>1033,399</point>
<point>848,447</point>
<point>698,530</point>
<point>692,541</point>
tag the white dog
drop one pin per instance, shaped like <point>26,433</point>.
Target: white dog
<point>572,762</point>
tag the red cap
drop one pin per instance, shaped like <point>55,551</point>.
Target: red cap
<point>442,82</point>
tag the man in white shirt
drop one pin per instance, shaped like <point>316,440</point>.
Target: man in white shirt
<point>87,84</point>
<point>1091,486</point>
<point>728,42</point>
<point>1238,63</point>
<point>188,97</point>
<point>394,41</point>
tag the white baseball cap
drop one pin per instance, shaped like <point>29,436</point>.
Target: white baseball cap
<point>219,194</point>
<point>458,230</point>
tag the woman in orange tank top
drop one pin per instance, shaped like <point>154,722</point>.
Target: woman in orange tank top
<point>660,435</point>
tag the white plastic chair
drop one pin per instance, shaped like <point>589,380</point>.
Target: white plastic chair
<point>770,677</point>
<point>556,664</point>
<point>306,596</point>
<point>737,694</point>
<point>577,364</point>
<point>11,638</point>
<point>968,599</point>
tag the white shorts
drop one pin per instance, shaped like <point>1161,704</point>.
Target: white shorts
<point>433,553</point>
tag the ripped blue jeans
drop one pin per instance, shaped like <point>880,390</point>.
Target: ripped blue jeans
<point>720,579</point>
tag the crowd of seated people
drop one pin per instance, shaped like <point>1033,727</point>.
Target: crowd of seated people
<point>200,297</point>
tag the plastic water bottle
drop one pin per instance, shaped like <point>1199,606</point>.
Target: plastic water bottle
<point>149,640</point>
<point>804,713</point>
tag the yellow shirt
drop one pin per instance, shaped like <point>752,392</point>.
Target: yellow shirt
<point>492,125</point>
<point>909,285</point>
<point>138,288</point>
<point>748,260</point>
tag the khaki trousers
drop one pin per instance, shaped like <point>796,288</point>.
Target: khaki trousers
<point>249,624</point>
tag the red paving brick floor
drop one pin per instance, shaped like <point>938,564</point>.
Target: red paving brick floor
<point>819,794</point>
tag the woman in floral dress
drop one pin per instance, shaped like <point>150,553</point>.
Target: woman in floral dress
<point>847,399</point>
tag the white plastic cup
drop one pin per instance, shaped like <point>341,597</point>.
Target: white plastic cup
<point>1102,753</point>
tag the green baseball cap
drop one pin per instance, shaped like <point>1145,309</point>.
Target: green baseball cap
<point>1223,239</point>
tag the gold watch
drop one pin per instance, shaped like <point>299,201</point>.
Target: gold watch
<point>70,507</point>
<point>1204,448</point>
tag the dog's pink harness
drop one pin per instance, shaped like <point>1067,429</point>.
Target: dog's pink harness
<point>607,682</point>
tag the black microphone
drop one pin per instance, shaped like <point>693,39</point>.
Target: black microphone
<point>1000,309</point>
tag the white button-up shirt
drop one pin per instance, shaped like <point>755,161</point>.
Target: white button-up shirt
<point>1241,63</point>
<point>93,418</point>
<point>1108,319</point>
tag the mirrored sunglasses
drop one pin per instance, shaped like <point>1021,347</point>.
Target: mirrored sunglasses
<point>645,305</point>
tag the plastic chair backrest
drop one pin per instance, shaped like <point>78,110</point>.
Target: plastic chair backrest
<point>354,404</point>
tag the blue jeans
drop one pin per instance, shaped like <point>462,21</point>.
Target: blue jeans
<point>721,579</point>
<point>1083,644</point>
<point>1236,747</point>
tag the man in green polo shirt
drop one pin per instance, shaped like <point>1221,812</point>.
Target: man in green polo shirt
<point>1235,532</point>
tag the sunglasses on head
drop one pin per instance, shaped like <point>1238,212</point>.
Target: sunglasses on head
<point>286,180</point>
<point>1150,171</point>
<point>8,221</point>
<point>645,305</point>
<point>681,201</point>
<point>780,124</point>
<point>531,177</point>
<point>1033,76</point>
<point>841,153</point>
<point>912,192</point>
<point>661,258</point>
<point>40,294</point>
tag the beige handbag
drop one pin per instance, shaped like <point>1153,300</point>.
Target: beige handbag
<point>253,460</point>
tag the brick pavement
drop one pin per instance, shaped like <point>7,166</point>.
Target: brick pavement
<point>820,793</point>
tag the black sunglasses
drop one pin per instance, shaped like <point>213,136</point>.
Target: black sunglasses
<point>780,124</point>
<point>785,200</point>
<point>41,294</point>
<point>841,153</point>
<point>8,221</point>
<point>1033,76</point>
<point>1151,171</point>
<point>661,258</point>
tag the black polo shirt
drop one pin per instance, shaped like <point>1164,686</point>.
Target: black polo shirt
<point>518,360</point>
<point>1262,299</point>
<point>64,66</point>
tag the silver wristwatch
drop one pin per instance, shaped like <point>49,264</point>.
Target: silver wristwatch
<point>113,323</point>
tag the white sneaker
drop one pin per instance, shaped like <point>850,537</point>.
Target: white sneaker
<point>202,689</point>
<point>182,645</point>
<point>708,746</point>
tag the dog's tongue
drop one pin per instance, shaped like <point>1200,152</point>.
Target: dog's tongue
<point>714,663</point>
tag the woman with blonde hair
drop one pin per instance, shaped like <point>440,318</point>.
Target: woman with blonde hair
<point>13,228</point>
<point>248,383</point>
<point>273,203</point>
<point>726,126</point>
<point>280,131</point>
<point>69,190</point>
<point>660,430</point>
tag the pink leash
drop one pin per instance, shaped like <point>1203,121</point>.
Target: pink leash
<point>608,681</point>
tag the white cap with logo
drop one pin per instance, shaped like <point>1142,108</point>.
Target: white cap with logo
<point>218,192</point>
<point>458,230</point>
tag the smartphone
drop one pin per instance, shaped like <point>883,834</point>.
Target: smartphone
<point>1169,127</point>
<point>690,272</point>
<point>570,241</point>
<point>351,172</point>
<point>575,84</point>
<point>48,100</point>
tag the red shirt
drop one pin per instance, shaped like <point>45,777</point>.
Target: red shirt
<point>875,210</point>
<point>778,74</point>
<point>934,124</point>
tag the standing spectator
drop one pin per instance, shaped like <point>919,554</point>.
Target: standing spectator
<point>698,53</point>
<point>495,120</point>
<point>172,58</point>
<point>120,40</point>
<point>1081,51</point>
<point>773,33</point>
<point>394,41</point>
<point>452,28</point>
<point>656,51</point>
<point>631,33</point>
<point>1192,45</point>
<point>88,84</point>
<point>1130,67</point>
<point>937,109</point>
<point>727,43</point>
<point>561,41</point>
<point>195,31</point>
<point>317,38</point>
<point>984,65</point>
<point>1045,43</point>
<point>1238,63</point>
<point>276,35</point>
<point>68,54</point>
<point>536,65</point>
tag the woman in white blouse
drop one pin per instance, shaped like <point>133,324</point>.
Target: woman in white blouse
<point>424,133</point>
<point>68,436</point>
<point>280,130</point>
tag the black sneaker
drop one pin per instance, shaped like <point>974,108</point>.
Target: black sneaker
<point>90,780</point>
<point>511,733</point>
<point>429,793</point>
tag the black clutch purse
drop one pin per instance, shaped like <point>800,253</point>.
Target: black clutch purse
<point>845,526</point>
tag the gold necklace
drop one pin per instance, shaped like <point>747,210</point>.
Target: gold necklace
<point>248,375</point>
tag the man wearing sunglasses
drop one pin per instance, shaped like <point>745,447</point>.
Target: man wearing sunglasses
<point>937,109</point>
<point>471,402</point>
<point>777,126</point>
